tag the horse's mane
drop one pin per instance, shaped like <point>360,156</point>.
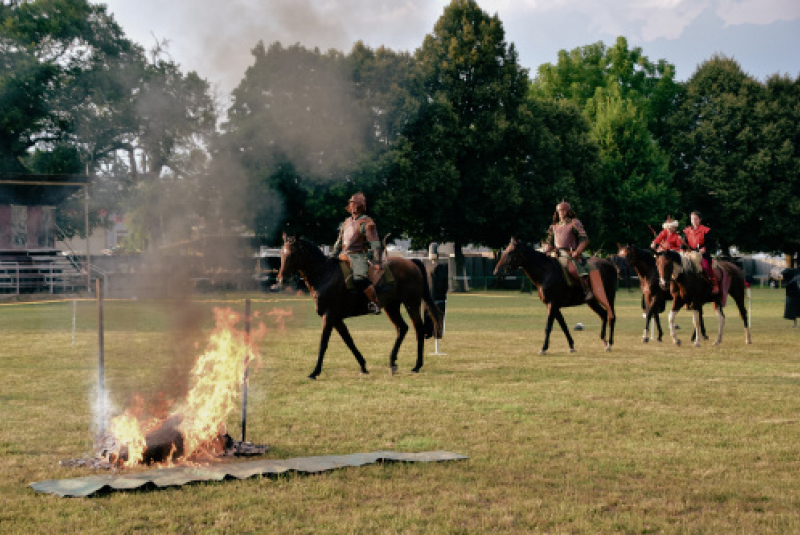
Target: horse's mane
<point>686,263</point>
<point>689,267</point>
<point>314,250</point>
<point>325,265</point>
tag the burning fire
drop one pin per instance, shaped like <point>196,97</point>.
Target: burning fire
<point>194,430</point>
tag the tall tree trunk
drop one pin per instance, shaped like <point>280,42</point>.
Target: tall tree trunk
<point>460,272</point>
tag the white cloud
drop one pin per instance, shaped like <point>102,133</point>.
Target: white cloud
<point>757,11</point>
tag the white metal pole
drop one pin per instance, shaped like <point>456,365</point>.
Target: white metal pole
<point>749,309</point>
<point>74,307</point>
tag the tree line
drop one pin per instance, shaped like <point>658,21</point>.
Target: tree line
<point>455,142</point>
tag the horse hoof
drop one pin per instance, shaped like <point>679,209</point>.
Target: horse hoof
<point>573,350</point>
<point>645,340</point>
<point>696,344</point>
<point>394,369</point>
<point>717,343</point>
<point>364,372</point>
<point>608,348</point>
<point>543,352</point>
<point>312,377</point>
<point>415,370</point>
<point>678,343</point>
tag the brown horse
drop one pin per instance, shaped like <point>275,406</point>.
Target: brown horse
<point>547,275</point>
<point>695,290</point>
<point>653,297</point>
<point>334,302</point>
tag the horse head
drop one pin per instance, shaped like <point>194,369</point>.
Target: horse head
<point>289,258</point>
<point>511,257</point>
<point>669,266</point>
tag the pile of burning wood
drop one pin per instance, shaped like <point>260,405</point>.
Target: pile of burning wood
<point>193,431</point>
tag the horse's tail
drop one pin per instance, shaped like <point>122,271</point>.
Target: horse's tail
<point>431,309</point>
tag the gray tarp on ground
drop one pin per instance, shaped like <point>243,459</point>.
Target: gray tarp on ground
<point>86,486</point>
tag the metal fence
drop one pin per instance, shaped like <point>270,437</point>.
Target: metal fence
<point>17,278</point>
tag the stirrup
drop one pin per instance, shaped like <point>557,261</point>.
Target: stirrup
<point>373,308</point>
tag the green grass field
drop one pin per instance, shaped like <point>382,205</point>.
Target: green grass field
<point>646,438</point>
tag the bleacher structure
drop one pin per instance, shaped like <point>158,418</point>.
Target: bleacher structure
<point>29,261</point>
<point>39,270</point>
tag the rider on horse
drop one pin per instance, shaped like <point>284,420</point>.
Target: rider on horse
<point>567,239</point>
<point>359,242</point>
<point>668,239</point>
<point>697,236</point>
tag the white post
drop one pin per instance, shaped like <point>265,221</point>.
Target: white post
<point>749,319</point>
<point>74,306</point>
<point>652,329</point>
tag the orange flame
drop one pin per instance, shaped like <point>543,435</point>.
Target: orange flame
<point>216,386</point>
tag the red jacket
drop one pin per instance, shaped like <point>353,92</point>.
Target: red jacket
<point>696,236</point>
<point>668,241</point>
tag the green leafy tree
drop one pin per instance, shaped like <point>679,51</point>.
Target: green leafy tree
<point>777,165</point>
<point>579,73</point>
<point>715,148</point>
<point>56,57</point>
<point>628,100</point>
<point>297,132</point>
<point>457,164</point>
<point>633,185</point>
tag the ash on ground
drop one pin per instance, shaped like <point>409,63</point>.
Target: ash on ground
<point>106,457</point>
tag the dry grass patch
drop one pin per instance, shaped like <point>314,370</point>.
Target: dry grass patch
<point>647,438</point>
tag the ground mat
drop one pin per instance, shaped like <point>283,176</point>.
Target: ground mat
<point>166,477</point>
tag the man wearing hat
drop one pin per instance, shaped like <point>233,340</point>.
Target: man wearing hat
<point>358,240</point>
<point>668,239</point>
<point>566,240</point>
<point>697,237</point>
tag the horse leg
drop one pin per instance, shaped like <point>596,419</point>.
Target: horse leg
<point>563,324</point>
<point>327,327</point>
<point>548,327</point>
<point>393,313</point>
<point>696,321</point>
<point>419,329</point>
<point>672,332</point>
<point>721,317</point>
<point>658,327</point>
<point>702,324</point>
<point>648,316</point>
<point>600,311</point>
<point>739,298</point>
<point>341,328</point>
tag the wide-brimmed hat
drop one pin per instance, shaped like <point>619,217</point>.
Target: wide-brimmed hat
<point>563,205</point>
<point>670,223</point>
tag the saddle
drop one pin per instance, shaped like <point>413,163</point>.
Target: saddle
<point>569,267</point>
<point>723,278</point>
<point>381,278</point>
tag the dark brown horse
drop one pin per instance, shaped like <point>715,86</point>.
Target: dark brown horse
<point>323,276</point>
<point>547,275</point>
<point>695,290</point>
<point>653,297</point>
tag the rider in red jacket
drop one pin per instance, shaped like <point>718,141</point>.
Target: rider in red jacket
<point>668,239</point>
<point>697,237</point>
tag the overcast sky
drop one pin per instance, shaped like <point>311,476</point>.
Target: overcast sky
<point>215,38</point>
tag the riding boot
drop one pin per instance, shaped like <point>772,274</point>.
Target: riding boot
<point>711,276</point>
<point>587,290</point>
<point>600,292</point>
<point>374,305</point>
